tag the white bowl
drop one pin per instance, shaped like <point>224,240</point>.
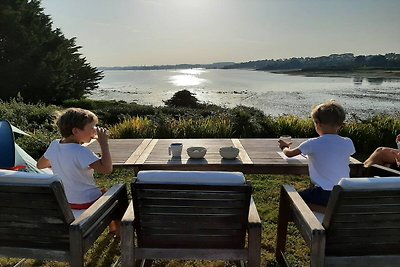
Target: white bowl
<point>196,152</point>
<point>229,152</point>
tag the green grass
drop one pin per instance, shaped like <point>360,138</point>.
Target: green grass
<point>106,250</point>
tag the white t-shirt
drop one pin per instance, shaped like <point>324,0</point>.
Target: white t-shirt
<point>71,163</point>
<point>328,159</point>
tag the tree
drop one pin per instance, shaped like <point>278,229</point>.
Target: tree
<point>377,61</point>
<point>182,98</point>
<point>37,62</point>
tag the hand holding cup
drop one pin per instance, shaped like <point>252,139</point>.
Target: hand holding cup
<point>285,141</point>
<point>102,135</point>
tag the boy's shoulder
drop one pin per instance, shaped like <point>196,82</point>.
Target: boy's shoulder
<point>329,138</point>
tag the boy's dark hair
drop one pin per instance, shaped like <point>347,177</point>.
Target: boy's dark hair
<point>330,113</point>
<point>74,118</point>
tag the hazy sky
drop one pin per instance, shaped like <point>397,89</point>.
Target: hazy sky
<point>156,32</point>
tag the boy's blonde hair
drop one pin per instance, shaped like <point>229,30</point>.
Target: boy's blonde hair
<point>74,118</point>
<point>330,113</point>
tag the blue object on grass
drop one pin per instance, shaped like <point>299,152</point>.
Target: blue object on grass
<point>7,147</point>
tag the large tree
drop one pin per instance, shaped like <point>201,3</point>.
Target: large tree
<point>38,62</point>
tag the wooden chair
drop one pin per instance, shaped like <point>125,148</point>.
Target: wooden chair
<point>360,228</point>
<point>37,222</point>
<point>191,215</point>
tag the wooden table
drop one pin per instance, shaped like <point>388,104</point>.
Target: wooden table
<point>256,155</point>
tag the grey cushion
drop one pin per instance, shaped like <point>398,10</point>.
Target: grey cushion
<point>191,177</point>
<point>370,183</point>
<point>16,177</point>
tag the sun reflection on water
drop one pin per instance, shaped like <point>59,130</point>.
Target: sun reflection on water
<point>187,77</point>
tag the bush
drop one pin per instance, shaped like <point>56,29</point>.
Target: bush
<point>182,98</point>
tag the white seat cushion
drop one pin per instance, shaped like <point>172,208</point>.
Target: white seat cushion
<point>370,183</point>
<point>191,177</point>
<point>16,177</point>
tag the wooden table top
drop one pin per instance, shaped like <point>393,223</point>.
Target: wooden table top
<point>256,155</point>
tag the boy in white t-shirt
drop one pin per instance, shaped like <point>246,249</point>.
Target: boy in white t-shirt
<point>328,154</point>
<point>74,163</point>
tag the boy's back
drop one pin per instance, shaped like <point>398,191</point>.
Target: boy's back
<point>328,159</point>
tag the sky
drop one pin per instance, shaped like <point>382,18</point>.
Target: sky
<point>163,32</point>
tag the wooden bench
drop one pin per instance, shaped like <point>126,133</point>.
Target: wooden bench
<point>191,215</point>
<point>360,228</point>
<point>37,222</point>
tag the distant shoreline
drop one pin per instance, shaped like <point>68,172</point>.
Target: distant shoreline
<point>369,74</point>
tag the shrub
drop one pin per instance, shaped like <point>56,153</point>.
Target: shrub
<point>133,128</point>
<point>182,98</point>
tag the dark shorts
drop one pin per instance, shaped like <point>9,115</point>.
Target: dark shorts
<point>316,195</point>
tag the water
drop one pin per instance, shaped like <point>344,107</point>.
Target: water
<point>275,94</point>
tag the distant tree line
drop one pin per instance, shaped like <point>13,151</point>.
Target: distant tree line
<point>333,62</point>
<point>37,62</point>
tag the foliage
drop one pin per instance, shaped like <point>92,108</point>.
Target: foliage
<point>27,117</point>
<point>334,62</point>
<point>182,98</point>
<point>111,112</point>
<point>38,62</point>
<point>133,128</point>
<point>246,121</point>
<point>204,122</point>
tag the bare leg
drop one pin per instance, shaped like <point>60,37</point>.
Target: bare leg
<point>382,156</point>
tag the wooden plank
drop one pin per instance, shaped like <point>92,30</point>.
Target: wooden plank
<point>159,155</point>
<point>146,152</point>
<point>139,150</point>
<point>120,149</point>
<point>190,241</point>
<point>182,253</point>
<point>242,152</point>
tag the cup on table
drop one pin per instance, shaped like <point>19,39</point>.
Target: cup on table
<point>286,138</point>
<point>175,149</point>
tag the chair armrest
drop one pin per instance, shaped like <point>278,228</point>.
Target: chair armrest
<point>127,237</point>
<point>102,208</point>
<point>254,235</point>
<point>253,219</point>
<point>379,170</point>
<point>306,222</point>
<point>129,216</point>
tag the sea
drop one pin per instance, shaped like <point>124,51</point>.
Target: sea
<point>274,94</point>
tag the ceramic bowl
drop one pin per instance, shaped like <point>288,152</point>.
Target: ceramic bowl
<point>229,152</point>
<point>196,152</point>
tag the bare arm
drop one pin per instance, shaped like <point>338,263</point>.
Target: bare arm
<point>103,165</point>
<point>289,152</point>
<point>43,163</point>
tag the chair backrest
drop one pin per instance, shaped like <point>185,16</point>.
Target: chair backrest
<point>34,214</point>
<point>182,212</point>
<point>7,147</point>
<point>362,217</point>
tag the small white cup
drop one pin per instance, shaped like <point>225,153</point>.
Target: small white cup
<point>175,149</point>
<point>286,138</point>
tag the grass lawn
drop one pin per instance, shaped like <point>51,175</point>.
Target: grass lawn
<point>106,250</point>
